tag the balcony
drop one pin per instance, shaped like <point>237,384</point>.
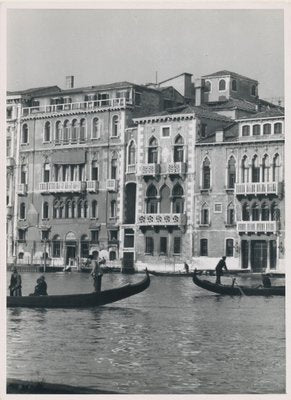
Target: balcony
<point>257,226</point>
<point>149,169</point>
<point>22,189</point>
<point>10,162</point>
<point>161,219</point>
<point>176,168</point>
<point>131,169</point>
<point>92,186</point>
<point>83,106</point>
<point>111,185</point>
<point>62,187</point>
<point>264,188</point>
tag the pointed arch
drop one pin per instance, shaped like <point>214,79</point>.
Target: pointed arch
<point>206,173</point>
<point>246,211</point>
<point>153,151</point>
<point>131,153</point>
<point>245,169</point>
<point>178,149</point>
<point>74,133</point>
<point>204,216</point>
<point>230,214</point>
<point>231,172</point>
<point>266,168</point>
<point>276,168</point>
<point>178,199</point>
<point>151,199</point>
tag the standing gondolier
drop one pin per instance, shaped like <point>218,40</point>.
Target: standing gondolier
<point>219,267</point>
<point>15,283</point>
<point>97,272</point>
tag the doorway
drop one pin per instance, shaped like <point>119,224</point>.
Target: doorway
<point>259,255</point>
<point>70,254</point>
<point>128,262</point>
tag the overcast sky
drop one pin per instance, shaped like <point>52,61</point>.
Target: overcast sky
<point>104,46</point>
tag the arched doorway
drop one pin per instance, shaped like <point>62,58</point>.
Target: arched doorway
<point>70,249</point>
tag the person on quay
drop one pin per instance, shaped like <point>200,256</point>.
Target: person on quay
<point>266,281</point>
<point>15,283</point>
<point>219,269</point>
<point>186,267</point>
<point>41,287</point>
<point>97,272</point>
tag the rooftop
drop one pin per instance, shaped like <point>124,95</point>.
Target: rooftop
<point>271,113</point>
<point>228,73</point>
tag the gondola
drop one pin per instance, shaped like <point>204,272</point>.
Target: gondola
<point>178,273</point>
<point>105,270</point>
<point>238,290</point>
<point>80,300</point>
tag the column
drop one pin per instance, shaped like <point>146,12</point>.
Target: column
<point>249,253</point>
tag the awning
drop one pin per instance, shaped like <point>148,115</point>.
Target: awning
<point>71,156</point>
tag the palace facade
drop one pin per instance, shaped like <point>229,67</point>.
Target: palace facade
<point>149,175</point>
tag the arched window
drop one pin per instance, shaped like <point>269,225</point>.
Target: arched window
<point>254,90</point>
<point>58,132</point>
<point>278,127</point>
<point>230,214</point>
<point>266,169</point>
<point>22,211</point>
<point>255,169</point>
<point>82,130</point>
<point>207,87</point>
<point>94,171</point>
<point>94,211</point>
<point>152,201</point>
<point>234,85</point>
<point>204,220</point>
<point>73,209</point>
<point>55,209</point>
<point>74,130</point>
<point>276,168</point>
<point>246,212</point>
<point>256,130</point>
<point>45,210</point>
<point>179,149</point>
<point>56,251</point>
<point>79,209</point>
<point>206,174</point>
<point>95,128</point>
<point>275,212</point>
<point>267,129</point>
<point>246,130</point>
<point>131,153</point>
<point>114,166</point>
<point>222,84</point>
<point>20,255</point>
<point>229,248</point>
<point>85,207</point>
<point>113,209</point>
<point>231,170</point>
<point>67,209</point>
<point>46,172</point>
<point>47,132</point>
<point>66,132</point>
<point>153,151</point>
<point>178,200</point>
<point>255,212</point>
<point>245,170</point>
<point>24,136</point>
<point>115,123</point>
<point>265,212</point>
<point>23,174</point>
<point>84,246</point>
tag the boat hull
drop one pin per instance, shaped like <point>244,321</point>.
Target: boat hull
<point>80,300</point>
<point>170,273</point>
<point>238,290</point>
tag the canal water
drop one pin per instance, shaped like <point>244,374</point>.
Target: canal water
<point>174,338</point>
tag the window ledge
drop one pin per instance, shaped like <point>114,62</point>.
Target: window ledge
<point>230,225</point>
<point>205,191</point>
<point>204,225</point>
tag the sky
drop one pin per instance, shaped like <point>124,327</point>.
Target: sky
<point>106,46</point>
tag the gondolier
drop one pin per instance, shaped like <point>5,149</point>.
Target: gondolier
<point>97,272</point>
<point>219,267</point>
<point>15,283</point>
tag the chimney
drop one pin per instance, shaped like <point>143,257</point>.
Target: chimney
<point>198,92</point>
<point>219,136</point>
<point>70,82</point>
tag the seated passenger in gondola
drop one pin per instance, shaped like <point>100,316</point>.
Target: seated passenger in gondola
<point>266,281</point>
<point>40,288</point>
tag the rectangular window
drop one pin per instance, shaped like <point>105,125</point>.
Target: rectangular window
<point>84,249</point>
<point>205,216</point>
<point>94,236</point>
<point>56,249</point>
<point>230,216</point>
<point>203,130</point>
<point>165,131</point>
<point>203,247</point>
<point>229,248</point>
<point>44,235</point>
<point>9,112</point>
<point>177,245</point>
<point>128,238</point>
<point>94,175</point>
<point>137,99</point>
<point>149,245</point>
<point>21,234</point>
<point>113,235</point>
<point>217,207</point>
<point>163,245</point>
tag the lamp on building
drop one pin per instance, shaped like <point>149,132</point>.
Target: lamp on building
<point>236,246</point>
<point>281,247</point>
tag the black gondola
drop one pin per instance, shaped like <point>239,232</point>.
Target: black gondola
<point>178,273</point>
<point>80,300</point>
<point>238,290</point>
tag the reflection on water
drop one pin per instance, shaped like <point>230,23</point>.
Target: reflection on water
<point>172,338</point>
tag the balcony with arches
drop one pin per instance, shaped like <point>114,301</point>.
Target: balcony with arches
<point>152,167</point>
<point>259,217</point>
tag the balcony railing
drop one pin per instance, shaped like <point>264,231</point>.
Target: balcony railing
<point>176,168</point>
<point>83,105</point>
<point>111,185</point>
<point>92,186</point>
<point>58,187</point>
<point>131,169</point>
<point>161,219</point>
<point>22,189</point>
<point>256,188</point>
<point>149,169</point>
<point>256,226</point>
